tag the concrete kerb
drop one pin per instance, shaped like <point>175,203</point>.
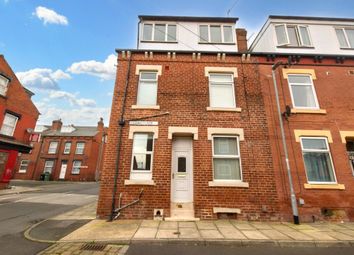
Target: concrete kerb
<point>28,236</point>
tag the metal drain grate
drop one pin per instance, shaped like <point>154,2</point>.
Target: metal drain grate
<point>93,247</point>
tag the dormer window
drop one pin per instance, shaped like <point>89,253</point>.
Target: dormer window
<point>215,34</point>
<point>3,85</point>
<point>293,35</point>
<point>159,32</point>
<point>345,37</point>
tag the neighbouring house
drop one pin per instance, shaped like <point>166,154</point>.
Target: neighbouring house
<point>68,153</point>
<point>188,126</point>
<point>18,117</point>
<point>318,88</point>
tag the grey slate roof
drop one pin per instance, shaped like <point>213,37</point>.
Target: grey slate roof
<point>79,131</point>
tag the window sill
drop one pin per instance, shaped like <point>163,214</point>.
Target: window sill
<point>220,109</point>
<point>139,182</point>
<point>221,43</point>
<point>226,210</point>
<point>146,107</point>
<point>148,41</point>
<point>324,186</point>
<point>343,48</point>
<point>295,47</point>
<point>238,184</point>
<point>310,111</point>
<point>21,172</point>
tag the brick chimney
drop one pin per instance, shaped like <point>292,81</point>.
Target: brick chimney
<point>241,37</point>
<point>56,125</point>
<point>100,125</point>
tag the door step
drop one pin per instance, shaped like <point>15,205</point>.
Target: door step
<point>182,212</point>
<point>181,219</point>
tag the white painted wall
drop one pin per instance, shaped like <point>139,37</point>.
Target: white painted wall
<point>187,39</point>
<point>322,33</point>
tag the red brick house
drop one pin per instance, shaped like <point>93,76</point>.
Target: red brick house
<point>18,117</point>
<point>71,153</point>
<point>188,126</point>
<point>319,126</point>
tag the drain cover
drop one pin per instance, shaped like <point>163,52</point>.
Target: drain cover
<point>177,233</point>
<point>93,247</point>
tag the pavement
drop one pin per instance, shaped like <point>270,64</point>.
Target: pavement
<point>17,190</point>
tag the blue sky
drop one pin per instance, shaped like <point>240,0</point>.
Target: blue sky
<point>64,50</point>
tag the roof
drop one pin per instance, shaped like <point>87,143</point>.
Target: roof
<point>310,18</point>
<point>188,18</point>
<point>79,131</point>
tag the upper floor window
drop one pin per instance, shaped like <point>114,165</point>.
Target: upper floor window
<point>345,37</point>
<point>303,94</point>
<point>3,85</point>
<point>9,124</point>
<point>67,147</point>
<point>159,32</point>
<point>318,161</point>
<point>221,90</point>
<point>53,146</point>
<point>215,34</point>
<point>293,35</point>
<point>147,90</point>
<point>80,147</point>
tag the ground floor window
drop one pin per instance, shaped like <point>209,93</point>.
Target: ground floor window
<point>23,166</point>
<point>48,166</point>
<point>226,158</point>
<point>76,167</point>
<point>350,151</point>
<point>318,160</point>
<point>142,155</point>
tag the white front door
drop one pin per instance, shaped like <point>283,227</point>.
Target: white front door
<point>182,170</point>
<point>64,165</point>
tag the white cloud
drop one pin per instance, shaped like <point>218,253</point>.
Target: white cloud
<point>49,16</point>
<point>42,78</point>
<point>105,70</point>
<point>72,98</point>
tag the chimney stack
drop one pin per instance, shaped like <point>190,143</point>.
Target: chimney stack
<point>56,125</point>
<point>100,125</point>
<point>241,37</point>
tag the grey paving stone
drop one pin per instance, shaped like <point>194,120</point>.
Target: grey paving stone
<point>254,234</point>
<point>275,234</point>
<point>210,234</point>
<point>203,225</point>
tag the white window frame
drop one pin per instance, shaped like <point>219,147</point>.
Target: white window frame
<point>298,35</point>
<point>227,157</point>
<point>222,34</point>
<point>142,174</point>
<point>50,149</point>
<point>23,166</point>
<point>6,85</point>
<point>153,32</point>
<point>67,150</point>
<point>77,148</point>
<point>45,166</point>
<point>76,167</point>
<point>317,150</point>
<point>14,127</point>
<point>317,107</point>
<point>149,81</point>
<point>345,36</point>
<point>233,88</point>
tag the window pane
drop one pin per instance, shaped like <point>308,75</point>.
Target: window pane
<point>292,36</point>
<point>341,38</point>
<point>221,96</point>
<point>281,35</point>
<point>171,33</point>
<point>305,36</point>
<point>318,167</point>
<point>220,78</point>
<point>147,33</point>
<point>303,96</point>
<point>142,162</point>
<point>215,34</point>
<point>299,79</point>
<point>142,143</point>
<point>204,34</point>
<point>159,32</point>
<point>350,35</point>
<point>228,34</point>
<point>148,75</point>
<point>226,169</point>
<point>182,164</point>
<point>225,146</point>
<point>147,93</point>
<point>314,144</point>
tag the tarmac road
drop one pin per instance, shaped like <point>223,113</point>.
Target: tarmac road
<point>20,211</point>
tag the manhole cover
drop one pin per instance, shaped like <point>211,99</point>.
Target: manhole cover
<point>93,247</point>
<point>177,233</point>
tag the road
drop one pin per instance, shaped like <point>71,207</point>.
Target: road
<point>20,211</point>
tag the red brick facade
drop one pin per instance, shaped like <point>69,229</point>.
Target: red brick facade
<point>16,102</point>
<point>183,93</point>
<point>91,158</point>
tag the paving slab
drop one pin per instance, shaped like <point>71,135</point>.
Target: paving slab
<point>189,233</point>
<point>150,223</point>
<point>206,225</point>
<point>166,234</point>
<point>244,226</point>
<point>253,234</point>
<point>340,236</point>
<point>145,233</point>
<point>210,234</point>
<point>223,223</point>
<point>187,224</point>
<point>231,233</point>
<point>274,234</point>
<point>347,232</point>
<point>318,235</point>
<point>168,225</point>
<point>281,227</point>
<point>297,235</point>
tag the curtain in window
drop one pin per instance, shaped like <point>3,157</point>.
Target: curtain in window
<point>318,167</point>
